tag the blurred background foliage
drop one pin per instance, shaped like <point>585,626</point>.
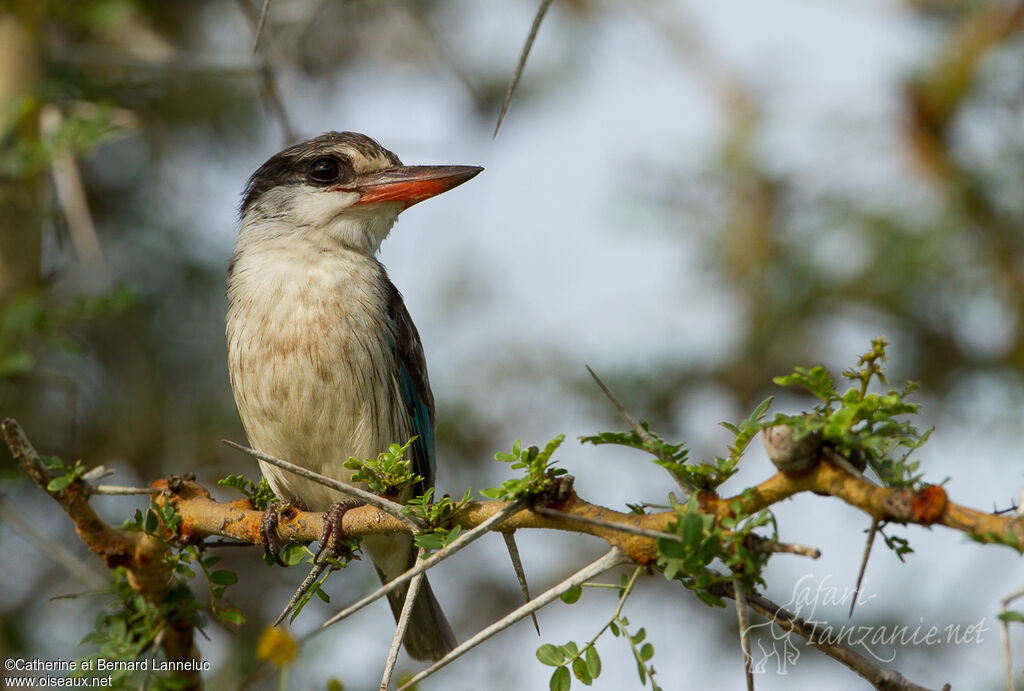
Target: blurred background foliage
<point>111,314</point>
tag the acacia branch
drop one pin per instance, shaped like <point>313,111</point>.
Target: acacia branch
<point>611,559</point>
<point>140,554</point>
<point>202,516</point>
<point>629,534</point>
<point>879,677</point>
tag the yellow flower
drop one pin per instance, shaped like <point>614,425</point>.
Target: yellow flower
<point>277,646</point>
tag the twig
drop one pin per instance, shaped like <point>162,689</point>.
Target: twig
<point>76,567</point>
<point>226,543</point>
<point>260,24</point>
<point>307,583</point>
<point>843,463</point>
<point>92,475</point>
<point>415,12</point>
<point>614,557</point>
<point>765,545</point>
<point>385,505</point>
<point>624,592</point>
<point>429,562</point>
<point>761,544</point>
<point>118,490</point>
<point>309,21</point>
<point>678,29</point>
<point>1006,636</point>
<point>881,678</point>
<point>273,95</point>
<point>624,527</point>
<point>67,180</point>
<point>743,619</point>
<point>649,442</point>
<point>517,566</point>
<point>537,19</point>
<point>141,554</point>
<point>872,531</point>
<point>403,624</point>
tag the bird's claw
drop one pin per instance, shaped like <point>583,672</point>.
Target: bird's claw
<point>329,538</point>
<point>268,532</point>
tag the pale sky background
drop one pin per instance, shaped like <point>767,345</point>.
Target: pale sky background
<point>562,251</point>
<point>554,234</point>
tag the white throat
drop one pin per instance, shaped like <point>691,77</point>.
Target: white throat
<point>323,218</point>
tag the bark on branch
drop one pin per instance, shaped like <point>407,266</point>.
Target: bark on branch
<point>203,516</point>
<point>634,534</point>
<point>140,554</point>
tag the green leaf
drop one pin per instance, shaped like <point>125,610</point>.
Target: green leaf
<point>1011,615</point>
<point>152,521</point>
<point>223,577</point>
<point>672,549</point>
<point>230,616</point>
<point>572,595</point>
<point>561,680</point>
<point>58,483</point>
<point>641,670</point>
<point>709,599</point>
<point>692,531</point>
<point>709,549</point>
<point>579,668</point>
<point>292,553</point>
<point>550,655</point>
<point>593,661</point>
<point>646,652</point>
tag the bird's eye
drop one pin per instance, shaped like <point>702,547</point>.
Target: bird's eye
<point>324,169</point>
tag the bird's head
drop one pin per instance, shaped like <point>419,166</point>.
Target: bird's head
<point>340,187</point>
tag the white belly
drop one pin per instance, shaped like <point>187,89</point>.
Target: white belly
<point>312,365</point>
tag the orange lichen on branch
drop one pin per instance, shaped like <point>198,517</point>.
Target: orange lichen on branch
<point>928,505</point>
<point>202,515</point>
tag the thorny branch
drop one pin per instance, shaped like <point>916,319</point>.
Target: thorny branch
<point>531,37</point>
<point>139,553</point>
<point>631,536</point>
<point>879,677</point>
<point>611,559</point>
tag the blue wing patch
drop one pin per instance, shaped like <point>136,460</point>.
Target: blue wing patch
<point>423,462</point>
<point>411,372</point>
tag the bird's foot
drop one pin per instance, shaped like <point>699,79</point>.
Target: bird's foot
<point>268,529</point>
<point>268,532</point>
<point>330,539</point>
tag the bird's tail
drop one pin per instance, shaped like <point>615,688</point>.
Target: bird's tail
<point>429,636</point>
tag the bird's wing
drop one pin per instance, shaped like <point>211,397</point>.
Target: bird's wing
<point>415,387</point>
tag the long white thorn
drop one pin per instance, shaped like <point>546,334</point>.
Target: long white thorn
<point>517,566</point>
<point>403,624</point>
<point>429,562</point>
<point>396,510</point>
<point>612,558</point>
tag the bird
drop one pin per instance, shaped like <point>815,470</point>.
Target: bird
<point>324,359</point>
